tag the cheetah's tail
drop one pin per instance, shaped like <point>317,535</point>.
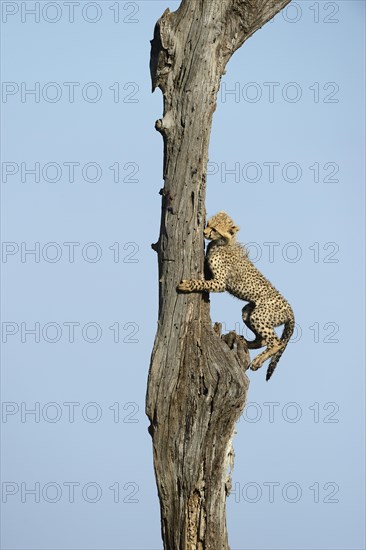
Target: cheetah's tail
<point>286,335</point>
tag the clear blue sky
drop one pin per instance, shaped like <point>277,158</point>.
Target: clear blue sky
<point>286,162</point>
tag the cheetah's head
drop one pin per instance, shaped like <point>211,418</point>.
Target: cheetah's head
<point>220,226</point>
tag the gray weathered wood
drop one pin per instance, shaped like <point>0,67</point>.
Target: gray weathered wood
<point>197,384</point>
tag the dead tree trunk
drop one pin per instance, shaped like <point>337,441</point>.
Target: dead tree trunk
<point>197,384</point>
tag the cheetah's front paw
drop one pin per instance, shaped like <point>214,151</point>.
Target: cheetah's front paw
<point>185,286</point>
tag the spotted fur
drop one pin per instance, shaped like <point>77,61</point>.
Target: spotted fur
<point>232,271</point>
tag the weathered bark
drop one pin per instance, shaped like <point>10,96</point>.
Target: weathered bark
<point>197,384</point>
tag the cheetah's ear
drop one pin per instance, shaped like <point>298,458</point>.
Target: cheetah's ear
<point>234,229</point>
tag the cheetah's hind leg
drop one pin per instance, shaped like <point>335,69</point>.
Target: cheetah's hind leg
<point>274,345</point>
<point>258,342</point>
<point>259,321</point>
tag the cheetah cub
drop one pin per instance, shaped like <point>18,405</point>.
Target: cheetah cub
<point>232,271</point>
